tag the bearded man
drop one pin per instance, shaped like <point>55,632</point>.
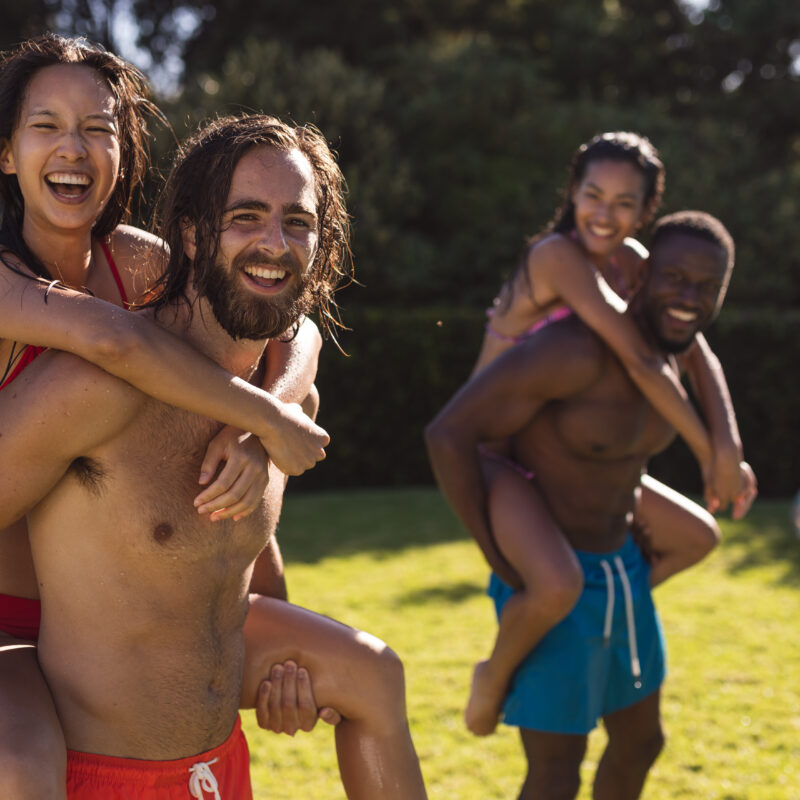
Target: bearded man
<point>144,600</point>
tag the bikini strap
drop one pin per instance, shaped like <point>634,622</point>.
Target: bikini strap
<point>115,273</point>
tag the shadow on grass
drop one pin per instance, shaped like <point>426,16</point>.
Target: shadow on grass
<point>454,593</point>
<point>375,521</point>
<point>764,538</point>
<point>384,521</point>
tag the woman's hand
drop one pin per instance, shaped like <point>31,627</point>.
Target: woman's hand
<point>296,443</point>
<point>724,481</point>
<point>748,493</point>
<point>239,487</point>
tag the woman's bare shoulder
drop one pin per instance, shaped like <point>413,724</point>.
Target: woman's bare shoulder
<point>140,257</point>
<point>554,247</point>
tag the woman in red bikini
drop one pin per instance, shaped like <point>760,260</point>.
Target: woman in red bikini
<point>72,151</point>
<point>586,262</point>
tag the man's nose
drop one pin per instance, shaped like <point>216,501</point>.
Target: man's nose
<point>273,239</point>
<point>687,293</point>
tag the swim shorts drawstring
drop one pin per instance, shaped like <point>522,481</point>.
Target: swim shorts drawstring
<point>636,669</point>
<point>202,780</point>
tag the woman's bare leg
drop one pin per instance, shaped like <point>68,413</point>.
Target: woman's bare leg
<point>679,532</point>
<point>33,756</point>
<point>352,672</point>
<point>532,543</point>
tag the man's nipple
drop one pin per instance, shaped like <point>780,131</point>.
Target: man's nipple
<point>162,532</point>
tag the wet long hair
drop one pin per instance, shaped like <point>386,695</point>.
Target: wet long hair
<point>624,147</point>
<point>132,110</point>
<point>197,191</point>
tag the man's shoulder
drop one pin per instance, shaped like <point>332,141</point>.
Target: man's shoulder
<point>568,335</point>
<point>566,354</point>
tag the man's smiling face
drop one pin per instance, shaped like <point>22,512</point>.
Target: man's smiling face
<point>268,240</point>
<point>687,279</point>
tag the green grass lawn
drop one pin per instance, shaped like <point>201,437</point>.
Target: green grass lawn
<point>397,564</point>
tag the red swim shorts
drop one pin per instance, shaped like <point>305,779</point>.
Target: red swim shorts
<point>20,616</point>
<point>219,774</point>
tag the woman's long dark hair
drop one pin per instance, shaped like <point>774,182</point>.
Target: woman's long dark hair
<point>132,111</point>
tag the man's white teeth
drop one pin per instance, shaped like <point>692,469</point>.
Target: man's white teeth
<point>599,230</point>
<point>683,316</point>
<point>69,178</point>
<point>268,274</point>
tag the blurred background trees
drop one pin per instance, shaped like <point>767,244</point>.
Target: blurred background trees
<point>454,121</point>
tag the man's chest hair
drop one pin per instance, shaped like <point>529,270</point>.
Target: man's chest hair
<point>148,476</point>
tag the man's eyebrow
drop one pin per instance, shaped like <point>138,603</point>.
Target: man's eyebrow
<point>299,208</point>
<point>252,205</point>
<point>258,205</point>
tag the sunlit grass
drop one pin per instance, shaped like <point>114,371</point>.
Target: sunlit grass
<point>396,564</point>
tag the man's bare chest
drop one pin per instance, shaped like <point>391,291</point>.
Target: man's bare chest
<point>144,483</point>
<point>611,421</point>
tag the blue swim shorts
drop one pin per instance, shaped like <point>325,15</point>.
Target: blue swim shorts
<point>590,665</point>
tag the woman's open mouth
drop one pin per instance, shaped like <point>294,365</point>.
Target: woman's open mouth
<point>69,186</point>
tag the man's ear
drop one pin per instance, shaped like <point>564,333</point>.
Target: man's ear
<point>7,158</point>
<point>189,241</point>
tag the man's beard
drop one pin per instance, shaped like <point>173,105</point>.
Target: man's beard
<point>244,315</point>
<point>665,345</point>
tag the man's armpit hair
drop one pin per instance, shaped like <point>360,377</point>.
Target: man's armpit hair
<point>89,474</point>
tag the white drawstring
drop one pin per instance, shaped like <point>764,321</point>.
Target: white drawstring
<point>636,669</point>
<point>609,601</point>
<point>626,590</point>
<point>202,780</point>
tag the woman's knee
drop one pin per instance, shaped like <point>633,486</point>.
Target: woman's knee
<point>382,673</point>
<point>373,693</point>
<point>555,594</point>
<point>33,765</point>
<point>707,536</point>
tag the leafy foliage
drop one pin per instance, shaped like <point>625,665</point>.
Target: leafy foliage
<point>454,121</point>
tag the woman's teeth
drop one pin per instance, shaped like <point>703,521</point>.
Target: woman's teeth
<point>68,184</point>
<point>69,178</point>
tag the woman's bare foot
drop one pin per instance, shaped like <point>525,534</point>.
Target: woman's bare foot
<point>485,699</point>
